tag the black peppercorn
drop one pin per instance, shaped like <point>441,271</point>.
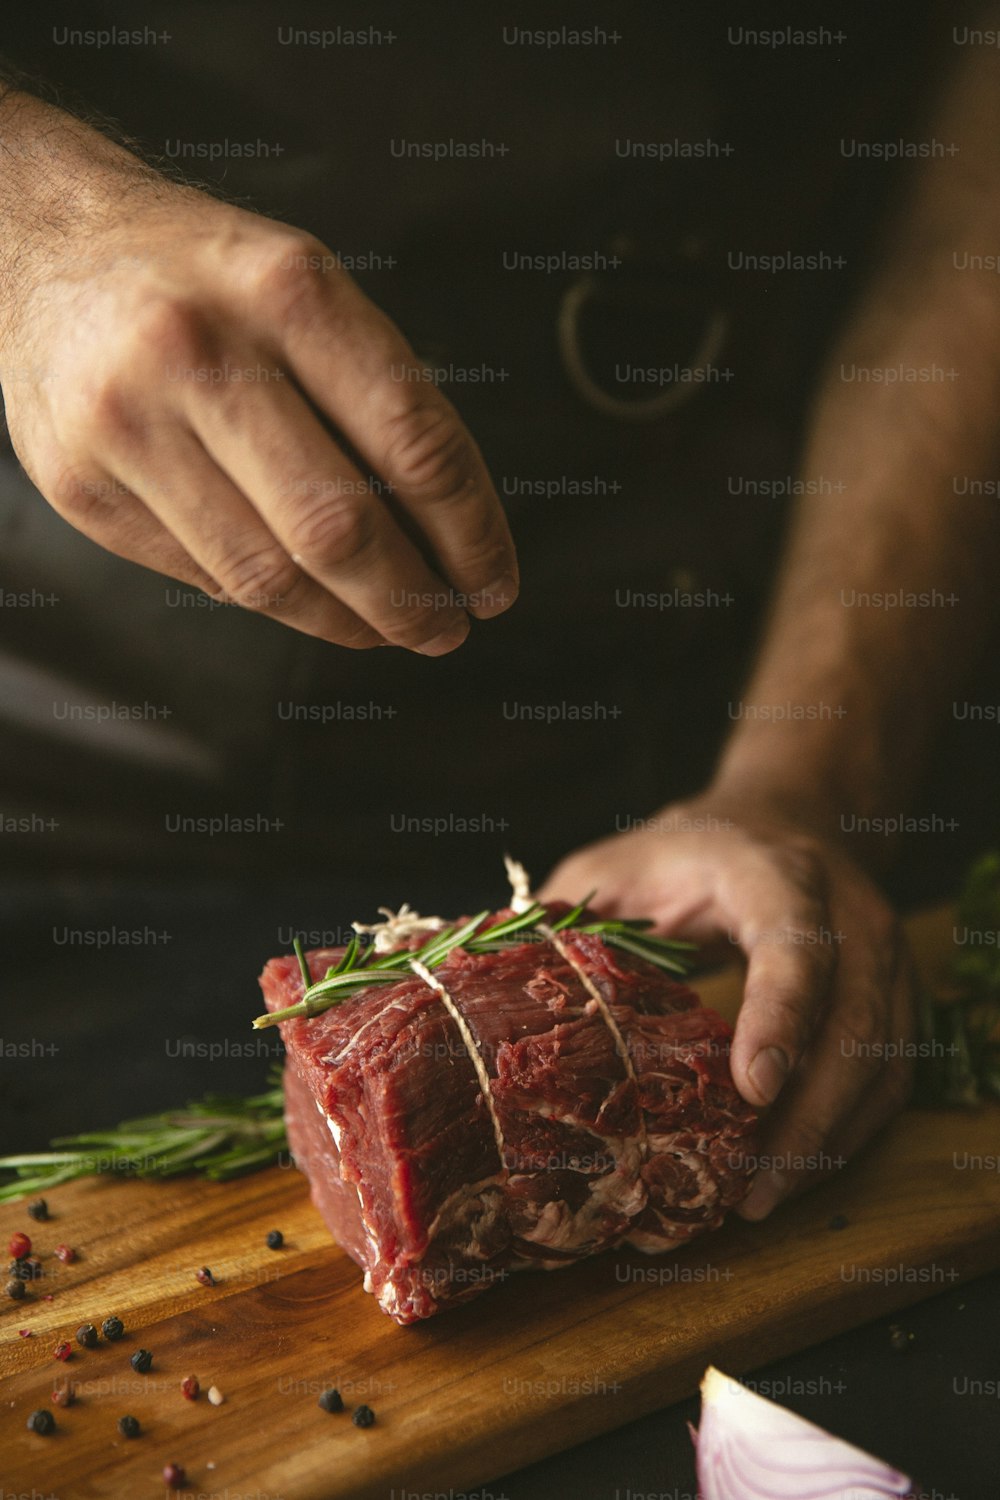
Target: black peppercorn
<point>41,1421</point>
<point>141,1361</point>
<point>275,1239</point>
<point>362,1416</point>
<point>112,1328</point>
<point>86,1335</point>
<point>129,1426</point>
<point>331,1400</point>
<point>15,1289</point>
<point>38,1209</point>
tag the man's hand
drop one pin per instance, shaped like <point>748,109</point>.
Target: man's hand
<point>166,363</point>
<point>827,1014</point>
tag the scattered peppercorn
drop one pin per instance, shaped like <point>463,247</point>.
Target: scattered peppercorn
<point>38,1209</point>
<point>899,1339</point>
<point>66,1254</point>
<point>331,1400</point>
<point>275,1239</point>
<point>15,1289</point>
<point>141,1361</point>
<point>204,1275</point>
<point>174,1476</point>
<point>86,1336</point>
<point>129,1426</point>
<point>19,1245</point>
<point>839,1221</point>
<point>112,1328</point>
<point>190,1387</point>
<point>362,1416</point>
<point>26,1333</point>
<point>41,1421</point>
<point>64,1394</point>
<point>215,1395</point>
<point>63,1350</point>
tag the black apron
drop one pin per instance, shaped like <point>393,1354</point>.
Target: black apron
<point>158,731</point>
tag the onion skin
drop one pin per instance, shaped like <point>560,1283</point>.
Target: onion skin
<point>749,1448</point>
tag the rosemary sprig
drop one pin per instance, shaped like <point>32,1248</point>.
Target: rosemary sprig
<point>300,954</point>
<point>220,1137</point>
<point>574,915</point>
<point>652,952</point>
<point>357,969</point>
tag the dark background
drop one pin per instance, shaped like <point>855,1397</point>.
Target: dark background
<point>104,1026</point>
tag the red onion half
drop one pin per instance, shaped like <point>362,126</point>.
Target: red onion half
<point>751,1449</point>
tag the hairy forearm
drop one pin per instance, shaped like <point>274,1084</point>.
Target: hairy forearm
<point>60,179</point>
<point>862,681</point>
<point>66,176</point>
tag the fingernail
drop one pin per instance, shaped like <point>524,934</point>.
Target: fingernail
<point>768,1072</point>
<point>494,600</point>
<point>438,645</point>
<point>767,1191</point>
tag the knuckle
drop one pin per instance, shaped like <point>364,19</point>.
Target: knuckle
<point>265,579</point>
<point>359,637</point>
<point>74,493</point>
<point>170,331</point>
<point>100,411</point>
<point>428,449</point>
<point>290,275</point>
<point>862,1036</point>
<point>411,627</point>
<point>804,865</point>
<point>337,535</point>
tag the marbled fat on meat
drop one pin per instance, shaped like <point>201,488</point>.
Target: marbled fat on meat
<point>612,1117</point>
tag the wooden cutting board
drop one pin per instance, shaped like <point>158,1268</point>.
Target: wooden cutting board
<point>536,1365</point>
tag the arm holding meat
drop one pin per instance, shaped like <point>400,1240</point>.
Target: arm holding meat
<point>768,855</point>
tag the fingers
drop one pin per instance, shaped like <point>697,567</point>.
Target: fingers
<point>827,1011</point>
<point>576,877</point>
<point>791,962</point>
<point>317,506</point>
<point>891,1090</point>
<point>230,544</point>
<point>853,1079</point>
<point>110,514</point>
<point>360,371</point>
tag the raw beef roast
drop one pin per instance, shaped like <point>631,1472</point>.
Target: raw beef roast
<point>518,1108</point>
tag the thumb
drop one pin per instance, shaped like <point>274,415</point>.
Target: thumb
<point>789,974</point>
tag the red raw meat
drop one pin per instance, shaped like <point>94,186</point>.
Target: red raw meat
<point>611,1116</point>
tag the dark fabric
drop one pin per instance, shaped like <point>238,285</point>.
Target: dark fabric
<point>446,740</point>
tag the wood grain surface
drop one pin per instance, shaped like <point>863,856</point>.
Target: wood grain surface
<point>538,1364</point>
